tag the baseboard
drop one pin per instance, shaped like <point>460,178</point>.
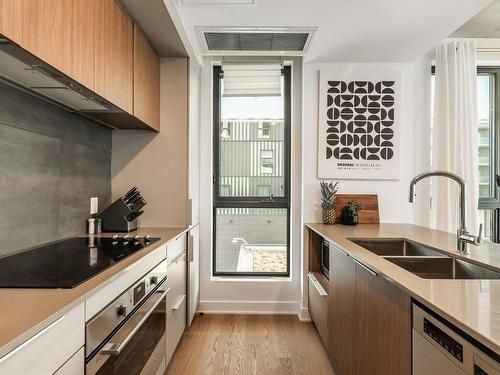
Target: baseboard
<point>250,307</point>
<point>304,314</point>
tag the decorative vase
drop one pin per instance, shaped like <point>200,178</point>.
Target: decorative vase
<point>328,215</point>
<point>350,219</point>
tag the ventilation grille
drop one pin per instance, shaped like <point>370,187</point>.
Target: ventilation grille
<point>233,41</point>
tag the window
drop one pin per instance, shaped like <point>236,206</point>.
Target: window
<point>263,190</point>
<point>266,162</point>
<point>251,233</point>
<point>225,130</point>
<point>488,92</point>
<point>264,130</point>
<point>225,190</point>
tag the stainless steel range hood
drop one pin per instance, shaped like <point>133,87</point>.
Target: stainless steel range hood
<point>22,69</point>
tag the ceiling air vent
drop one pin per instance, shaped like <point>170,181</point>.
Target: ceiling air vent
<point>255,41</point>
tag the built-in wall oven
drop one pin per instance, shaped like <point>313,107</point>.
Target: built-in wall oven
<point>128,336</point>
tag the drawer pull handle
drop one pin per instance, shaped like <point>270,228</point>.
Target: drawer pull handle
<point>366,267</point>
<point>31,339</point>
<point>179,303</point>
<point>322,292</point>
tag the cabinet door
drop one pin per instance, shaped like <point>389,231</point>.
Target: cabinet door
<point>383,326</point>
<point>10,15</point>
<point>193,273</point>
<point>342,307</point>
<point>146,81</point>
<point>114,54</point>
<point>176,303</point>
<point>319,308</point>
<point>83,42</point>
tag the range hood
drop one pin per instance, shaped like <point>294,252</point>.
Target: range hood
<point>20,68</point>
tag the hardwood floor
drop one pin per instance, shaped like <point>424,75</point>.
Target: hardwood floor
<point>250,344</point>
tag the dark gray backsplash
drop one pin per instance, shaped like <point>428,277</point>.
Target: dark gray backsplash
<point>51,163</point>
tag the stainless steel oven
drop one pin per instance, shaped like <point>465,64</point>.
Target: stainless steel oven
<point>128,336</point>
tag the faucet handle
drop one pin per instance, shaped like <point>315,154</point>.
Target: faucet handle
<point>478,238</point>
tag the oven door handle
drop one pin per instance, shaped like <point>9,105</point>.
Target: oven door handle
<point>115,348</point>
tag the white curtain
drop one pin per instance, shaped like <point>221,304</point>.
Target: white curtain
<point>455,136</point>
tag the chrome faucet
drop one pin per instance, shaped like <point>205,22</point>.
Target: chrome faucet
<point>463,236</point>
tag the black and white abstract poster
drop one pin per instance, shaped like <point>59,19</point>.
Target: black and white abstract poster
<point>359,124</point>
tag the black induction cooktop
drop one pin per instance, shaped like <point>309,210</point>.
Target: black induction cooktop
<point>67,263</point>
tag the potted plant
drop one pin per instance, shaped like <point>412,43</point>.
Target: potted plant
<point>328,197</point>
<point>350,213</point>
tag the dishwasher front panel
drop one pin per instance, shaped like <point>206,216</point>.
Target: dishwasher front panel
<point>428,361</point>
<point>443,349</point>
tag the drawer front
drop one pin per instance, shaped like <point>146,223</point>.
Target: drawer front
<point>45,352</point>
<point>176,303</point>
<point>75,365</point>
<point>176,323</point>
<point>319,309</point>
<point>97,301</point>
<point>176,247</point>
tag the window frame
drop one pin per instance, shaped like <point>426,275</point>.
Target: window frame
<point>251,201</point>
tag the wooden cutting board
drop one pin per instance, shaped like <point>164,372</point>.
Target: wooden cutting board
<point>369,207</point>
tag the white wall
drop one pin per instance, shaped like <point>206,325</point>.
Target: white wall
<point>415,130</point>
<point>250,295</point>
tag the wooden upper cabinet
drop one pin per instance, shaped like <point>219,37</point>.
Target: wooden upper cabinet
<point>59,32</point>
<point>83,42</point>
<point>10,14</point>
<point>146,81</point>
<point>114,54</point>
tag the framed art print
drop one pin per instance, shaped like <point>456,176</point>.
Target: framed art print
<point>359,124</point>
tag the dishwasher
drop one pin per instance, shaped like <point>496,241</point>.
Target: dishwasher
<point>442,349</point>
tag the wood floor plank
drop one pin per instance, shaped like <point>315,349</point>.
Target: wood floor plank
<point>249,345</point>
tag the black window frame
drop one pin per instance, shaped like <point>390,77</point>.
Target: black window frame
<point>252,202</point>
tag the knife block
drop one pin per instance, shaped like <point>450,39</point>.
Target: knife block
<point>118,217</point>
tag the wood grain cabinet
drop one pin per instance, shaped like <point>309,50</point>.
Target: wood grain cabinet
<point>146,81</point>
<point>368,319</point>
<point>114,54</point>
<point>342,311</point>
<point>383,326</point>
<point>59,32</point>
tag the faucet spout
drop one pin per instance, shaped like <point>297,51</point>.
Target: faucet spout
<point>463,236</point>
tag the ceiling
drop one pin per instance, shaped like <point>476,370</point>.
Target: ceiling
<point>485,24</point>
<point>348,30</point>
<point>155,22</point>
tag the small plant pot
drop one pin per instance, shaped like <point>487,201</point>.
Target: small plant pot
<point>328,216</point>
<point>350,219</point>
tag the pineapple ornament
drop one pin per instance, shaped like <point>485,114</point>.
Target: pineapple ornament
<point>328,197</point>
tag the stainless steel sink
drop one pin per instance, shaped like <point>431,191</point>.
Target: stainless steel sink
<point>443,268</point>
<point>395,247</point>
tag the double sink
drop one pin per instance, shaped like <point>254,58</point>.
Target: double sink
<point>424,261</point>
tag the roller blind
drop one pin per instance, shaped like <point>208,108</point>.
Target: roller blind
<point>251,79</point>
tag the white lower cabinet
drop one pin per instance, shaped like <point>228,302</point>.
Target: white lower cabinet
<point>49,349</point>
<point>176,303</point>
<point>75,365</point>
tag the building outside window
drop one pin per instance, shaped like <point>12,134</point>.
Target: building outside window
<point>263,190</point>
<point>266,162</point>
<point>265,130</point>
